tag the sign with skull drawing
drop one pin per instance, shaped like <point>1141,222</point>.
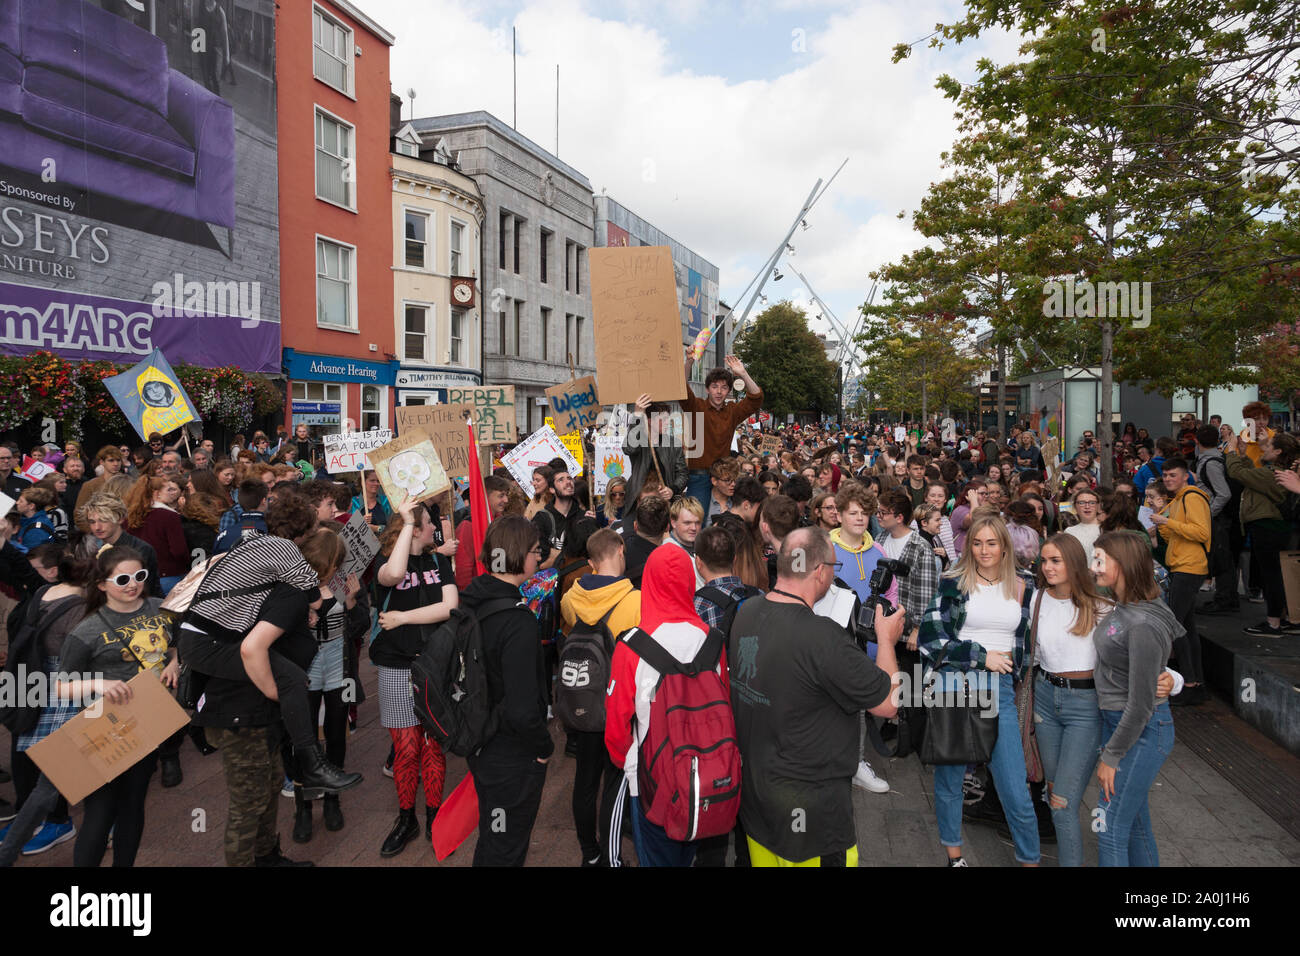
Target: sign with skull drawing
<point>409,467</point>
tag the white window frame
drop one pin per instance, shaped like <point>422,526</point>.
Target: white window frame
<point>463,361</point>
<point>452,251</point>
<point>352,143</point>
<point>349,46</point>
<point>383,407</point>
<point>430,226</point>
<point>297,394</point>
<point>352,285</point>
<point>405,148</point>
<point>430,332</point>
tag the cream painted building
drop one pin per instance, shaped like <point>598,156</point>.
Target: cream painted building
<point>437,290</point>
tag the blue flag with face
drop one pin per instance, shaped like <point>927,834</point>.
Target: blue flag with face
<point>151,396</point>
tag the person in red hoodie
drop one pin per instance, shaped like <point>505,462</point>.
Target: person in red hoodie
<point>498,496</point>
<point>667,615</point>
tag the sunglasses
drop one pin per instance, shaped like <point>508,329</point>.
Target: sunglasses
<point>122,580</point>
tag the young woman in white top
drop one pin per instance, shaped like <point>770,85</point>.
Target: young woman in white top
<point>1087,505</point>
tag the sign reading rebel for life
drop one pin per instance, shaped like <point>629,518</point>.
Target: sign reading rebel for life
<point>350,450</point>
<point>533,452</point>
<point>408,466</point>
<point>637,324</point>
<point>494,410</point>
<point>574,405</point>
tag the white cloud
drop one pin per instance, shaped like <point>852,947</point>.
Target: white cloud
<point>721,166</point>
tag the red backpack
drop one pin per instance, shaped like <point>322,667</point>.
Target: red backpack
<point>688,767</point>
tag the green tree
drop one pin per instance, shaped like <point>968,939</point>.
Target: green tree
<point>920,363</point>
<point>788,362</point>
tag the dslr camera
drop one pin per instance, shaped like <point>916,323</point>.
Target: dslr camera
<point>882,579</point>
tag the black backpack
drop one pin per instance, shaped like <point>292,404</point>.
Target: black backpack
<point>25,660</point>
<point>584,675</point>
<point>449,684</point>
<point>730,603</point>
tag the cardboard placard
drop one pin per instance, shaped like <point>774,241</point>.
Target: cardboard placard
<point>409,466</point>
<point>1291,581</point>
<point>88,752</point>
<point>574,405</point>
<point>362,545</point>
<point>533,452</point>
<point>6,504</point>
<point>494,410</point>
<point>770,443</point>
<point>572,442</point>
<point>610,462</point>
<point>34,470</point>
<point>445,426</point>
<point>636,324</point>
<point>349,451</point>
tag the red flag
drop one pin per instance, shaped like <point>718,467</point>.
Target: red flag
<point>479,514</point>
<point>457,818</point>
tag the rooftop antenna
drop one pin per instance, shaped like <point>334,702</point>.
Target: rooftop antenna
<point>411,93</point>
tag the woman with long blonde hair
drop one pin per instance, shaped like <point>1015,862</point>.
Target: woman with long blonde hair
<point>978,622</point>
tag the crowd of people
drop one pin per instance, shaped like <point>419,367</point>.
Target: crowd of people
<point>793,589</point>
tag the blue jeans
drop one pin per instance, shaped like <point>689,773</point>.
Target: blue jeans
<point>1007,767</point>
<point>1067,724</point>
<point>1125,837</point>
<point>653,846</point>
<point>699,485</point>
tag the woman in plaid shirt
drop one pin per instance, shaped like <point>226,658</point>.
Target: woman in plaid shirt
<point>979,621</point>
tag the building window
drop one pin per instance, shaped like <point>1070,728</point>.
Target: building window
<point>372,411</point>
<point>405,148</point>
<point>577,340</point>
<point>416,333</point>
<point>412,400</point>
<point>518,224</point>
<point>568,337</point>
<point>417,240</point>
<point>568,276</point>
<point>335,286</point>
<point>577,270</point>
<point>317,392</point>
<point>335,169</point>
<point>519,326</point>
<point>545,242</point>
<point>502,222</point>
<point>457,337</point>
<point>501,341</point>
<point>332,51</point>
<point>546,333</point>
<point>457,248</point>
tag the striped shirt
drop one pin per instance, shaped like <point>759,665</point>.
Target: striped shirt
<point>264,560</point>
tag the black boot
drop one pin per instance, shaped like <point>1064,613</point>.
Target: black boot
<point>276,858</point>
<point>302,817</point>
<point>404,831</point>
<point>317,776</point>
<point>430,814</point>
<point>201,740</point>
<point>333,813</point>
<point>172,775</point>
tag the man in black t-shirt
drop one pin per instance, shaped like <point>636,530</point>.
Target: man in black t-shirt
<point>798,682</point>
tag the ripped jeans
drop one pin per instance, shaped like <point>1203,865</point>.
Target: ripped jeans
<point>1067,724</point>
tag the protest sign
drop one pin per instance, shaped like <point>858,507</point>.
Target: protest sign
<point>362,545</point>
<point>494,410</point>
<point>409,466</point>
<point>533,452</point>
<point>350,450</point>
<point>445,426</point>
<point>636,324</point>
<point>572,442</point>
<point>770,444</point>
<point>89,751</point>
<point>574,405</point>
<point>610,462</point>
<point>34,470</point>
<point>6,504</point>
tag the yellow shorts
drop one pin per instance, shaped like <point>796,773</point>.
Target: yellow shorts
<point>760,855</point>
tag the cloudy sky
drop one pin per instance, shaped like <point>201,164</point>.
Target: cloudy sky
<point>714,119</point>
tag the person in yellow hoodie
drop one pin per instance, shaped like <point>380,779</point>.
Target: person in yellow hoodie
<point>1185,526</point>
<point>606,590</point>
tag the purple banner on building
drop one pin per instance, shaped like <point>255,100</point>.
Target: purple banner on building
<point>78,326</point>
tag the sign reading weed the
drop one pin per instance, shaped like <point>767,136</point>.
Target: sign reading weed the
<point>494,410</point>
<point>574,405</point>
<point>350,451</point>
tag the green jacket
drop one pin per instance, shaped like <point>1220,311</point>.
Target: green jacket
<point>1261,495</point>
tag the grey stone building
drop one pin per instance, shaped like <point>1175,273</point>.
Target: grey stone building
<point>538,227</point>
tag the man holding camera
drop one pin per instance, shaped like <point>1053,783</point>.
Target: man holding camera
<point>797,683</point>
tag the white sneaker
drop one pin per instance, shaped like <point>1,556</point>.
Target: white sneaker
<point>866,779</point>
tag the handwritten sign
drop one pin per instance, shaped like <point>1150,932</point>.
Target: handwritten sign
<point>574,405</point>
<point>445,426</point>
<point>572,442</point>
<point>494,410</point>
<point>409,466</point>
<point>637,325</point>
<point>533,452</point>
<point>772,444</point>
<point>610,462</point>
<point>350,450</point>
<point>362,545</point>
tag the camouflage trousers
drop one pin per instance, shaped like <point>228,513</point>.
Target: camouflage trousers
<point>254,773</point>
